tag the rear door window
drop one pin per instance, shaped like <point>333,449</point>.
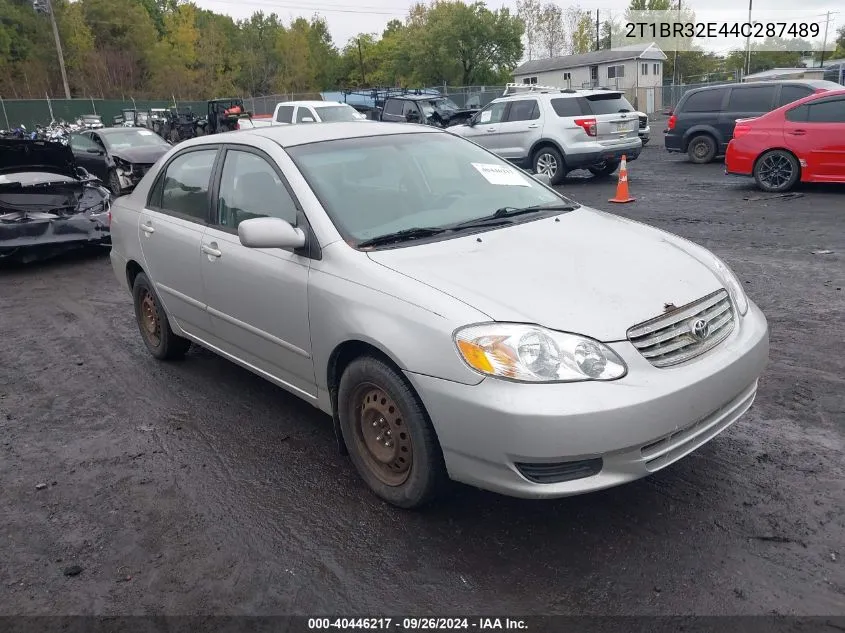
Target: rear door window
<point>788,94</point>
<point>704,101</point>
<point>525,110</point>
<point>611,103</point>
<point>756,99</point>
<point>285,114</point>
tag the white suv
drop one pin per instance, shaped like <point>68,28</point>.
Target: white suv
<point>554,131</point>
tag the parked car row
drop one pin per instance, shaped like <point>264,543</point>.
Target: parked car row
<point>409,283</point>
<point>779,132</point>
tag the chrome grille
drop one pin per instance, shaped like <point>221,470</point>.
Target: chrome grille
<point>643,122</point>
<point>673,337</point>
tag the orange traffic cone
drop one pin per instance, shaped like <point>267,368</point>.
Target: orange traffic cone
<point>622,194</point>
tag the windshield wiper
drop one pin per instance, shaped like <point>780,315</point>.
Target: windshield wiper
<point>402,236</point>
<point>503,215</point>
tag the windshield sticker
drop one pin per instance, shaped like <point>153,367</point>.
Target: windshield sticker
<point>502,175</point>
<point>486,116</point>
<point>145,132</point>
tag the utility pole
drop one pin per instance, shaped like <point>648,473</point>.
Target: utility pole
<point>748,43</point>
<point>59,49</point>
<point>675,62</point>
<point>821,63</point>
<point>598,46</point>
<point>361,63</point>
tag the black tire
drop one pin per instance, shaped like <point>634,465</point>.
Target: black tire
<point>777,171</point>
<point>547,160</point>
<point>152,321</point>
<point>605,168</point>
<point>114,183</point>
<point>702,149</point>
<point>645,141</point>
<point>406,469</point>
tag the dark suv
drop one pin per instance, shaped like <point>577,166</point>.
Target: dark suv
<point>703,122</point>
<point>427,109</point>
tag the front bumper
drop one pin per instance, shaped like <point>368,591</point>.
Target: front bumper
<point>636,425</point>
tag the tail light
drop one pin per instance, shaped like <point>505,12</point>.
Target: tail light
<point>671,123</point>
<point>588,125</point>
<point>741,129</point>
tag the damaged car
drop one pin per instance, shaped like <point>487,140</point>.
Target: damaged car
<point>47,204</point>
<point>118,156</point>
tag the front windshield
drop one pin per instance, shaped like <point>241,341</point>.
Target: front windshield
<point>338,113</point>
<point>441,104</point>
<point>382,184</point>
<point>133,138</point>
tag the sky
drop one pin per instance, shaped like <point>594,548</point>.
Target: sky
<point>346,20</point>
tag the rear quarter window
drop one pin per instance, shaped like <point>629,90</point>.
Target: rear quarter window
<point>704,101</point>
<point>567,107</point>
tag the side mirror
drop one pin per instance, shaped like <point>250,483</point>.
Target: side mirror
<point>270,233</point>
<point>543,178</point>
<point>94,150</point>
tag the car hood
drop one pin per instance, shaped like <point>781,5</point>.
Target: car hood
<point>140,155</point>
<point>590,272</point>
<point>24,155</point>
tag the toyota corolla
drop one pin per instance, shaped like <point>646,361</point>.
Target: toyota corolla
<point>456,317</point>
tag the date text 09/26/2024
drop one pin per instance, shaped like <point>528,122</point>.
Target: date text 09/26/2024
<point>417,624</point>
<point>709,30</point>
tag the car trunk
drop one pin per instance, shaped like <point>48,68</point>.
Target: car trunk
<point>616,120</point>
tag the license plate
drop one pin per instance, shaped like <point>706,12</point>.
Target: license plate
<point>624,127</point>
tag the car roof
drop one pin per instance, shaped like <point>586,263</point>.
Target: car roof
<point>117,130</point>
<point>313,104</point>
<point>564,92</point>
<point>419,97</point>
<point>812,83</point>
<point>292,135</point>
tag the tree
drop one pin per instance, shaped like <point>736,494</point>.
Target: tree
<point>530,12</point>
<point>583,36</point>
<point>551,30</point>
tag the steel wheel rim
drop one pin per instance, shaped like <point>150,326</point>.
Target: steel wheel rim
<point>381,435</point>
<point>775,170</point>
<point>700,149</point>
<point>150,325</point>
<point>546,164</point>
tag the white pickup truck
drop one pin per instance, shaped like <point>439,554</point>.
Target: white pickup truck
<point>290,112</point>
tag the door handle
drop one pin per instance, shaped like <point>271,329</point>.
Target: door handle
<point>797,132</point>
<point>491,129</point>
<point>532,126</point>
<point>147,228</point>
<point>209,250</point>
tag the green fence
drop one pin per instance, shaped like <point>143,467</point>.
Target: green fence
<point>29,112</point>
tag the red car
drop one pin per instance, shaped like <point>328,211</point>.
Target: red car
<point>801,141</point>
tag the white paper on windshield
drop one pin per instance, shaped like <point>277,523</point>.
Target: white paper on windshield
<point>145,132</point>
<point>502,175</point>
<point>485,116</point>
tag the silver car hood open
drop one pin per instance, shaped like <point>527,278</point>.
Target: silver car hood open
<point>590,273</point>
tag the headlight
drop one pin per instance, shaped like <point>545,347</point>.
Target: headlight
<point>733,285</point>
<point>530,353</point>
<point>123,164</point>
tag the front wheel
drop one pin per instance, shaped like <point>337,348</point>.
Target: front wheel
<point>155,329</point>
<point>390,439</point>
<point>777,171</point>
<point>547,160</point>
<point>604,168</point>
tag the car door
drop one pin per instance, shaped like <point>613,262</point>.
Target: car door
<point>89,155</point>
<point>485,124</point>
<point>519,130</point>
<point>411,112</point>
<point>171,227</point>
<point>257,297</point>
<point>744,102</point>
<point>815,132</point>
<point>393,111</point>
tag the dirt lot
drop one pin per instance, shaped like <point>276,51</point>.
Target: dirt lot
<point>196,487</point>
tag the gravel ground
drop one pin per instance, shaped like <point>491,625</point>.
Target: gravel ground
<point>198,488</point>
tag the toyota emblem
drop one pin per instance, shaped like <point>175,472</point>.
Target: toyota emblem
<point>699,329</point>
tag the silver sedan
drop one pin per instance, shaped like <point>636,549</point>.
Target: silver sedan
<point>456,317</point>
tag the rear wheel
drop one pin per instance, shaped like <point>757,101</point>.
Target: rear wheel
<point>547,160</point>
<point>777,171</point>
<point>153,324</point>
<point>604,168</point>
<point>702,149</point>
<point>390,439</point>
